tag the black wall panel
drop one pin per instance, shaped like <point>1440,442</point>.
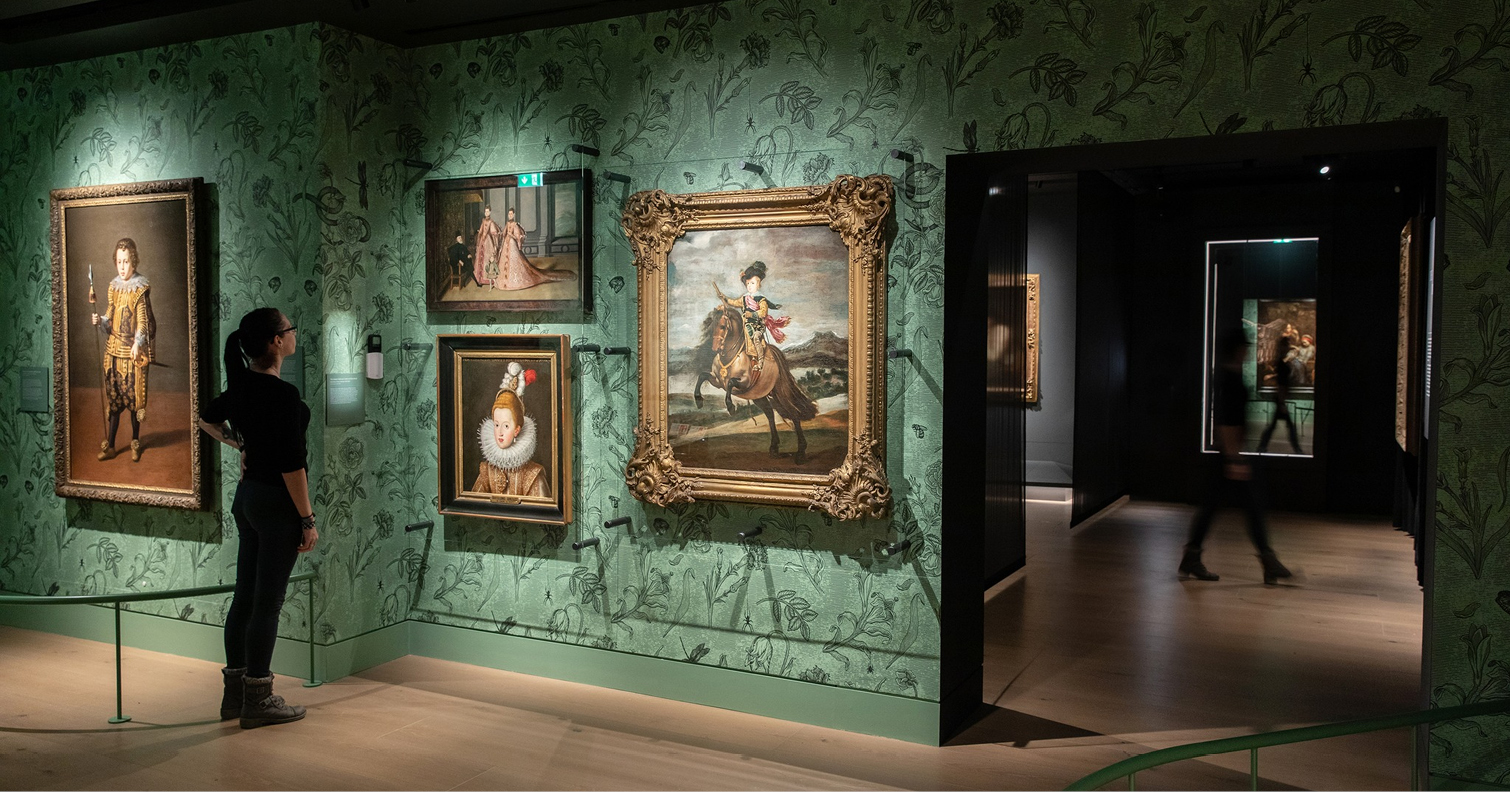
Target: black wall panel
<point>1102,415</point>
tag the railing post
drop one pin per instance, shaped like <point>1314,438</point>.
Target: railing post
<point>119,718</point>
<point>1132,782</point>
<point>1415,757</point>
<point>1253,775</point>
<point>313,681</point>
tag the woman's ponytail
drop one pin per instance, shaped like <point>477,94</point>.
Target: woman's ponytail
<point>249,342</point>
<point>235,361</point>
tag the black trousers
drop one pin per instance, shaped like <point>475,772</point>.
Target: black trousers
<point>268,523</point>
<point>1222,491</point>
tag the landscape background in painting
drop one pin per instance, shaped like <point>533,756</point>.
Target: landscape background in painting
<point>480,377</point>
<point>808,276</point>
<point>1271,315</point>
<point>552,219</point>
<point>160,230</point>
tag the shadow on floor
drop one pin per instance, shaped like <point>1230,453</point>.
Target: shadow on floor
<point>131,726</point>
<point>996,725</point>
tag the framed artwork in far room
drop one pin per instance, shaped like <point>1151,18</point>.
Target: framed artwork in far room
<point>127,356</point>
<point>505,427</point>
<point>509,243</point>
<point>1286,334</point>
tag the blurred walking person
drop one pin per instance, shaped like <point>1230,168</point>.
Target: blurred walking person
<point>1231,479</point>
<point>1284,354</point>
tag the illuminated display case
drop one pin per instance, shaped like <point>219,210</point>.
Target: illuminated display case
<point>1268,288</point>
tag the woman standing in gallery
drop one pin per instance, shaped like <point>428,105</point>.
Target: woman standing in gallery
<point>274,519</point>
<point>514,269</point>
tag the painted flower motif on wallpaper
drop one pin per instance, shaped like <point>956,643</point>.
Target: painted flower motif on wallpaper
<point>757,50</point>
<point>553,75</point>
<point>935,15</point>
<point>352,453</point>
<point>424,414</point>
<point>352,228</point>
<point>1330,104</point>
<point>409,141</point>
<point>382,308</point>
<point>260,190</point>
<point>1006,20</point>
<point>816,170</point>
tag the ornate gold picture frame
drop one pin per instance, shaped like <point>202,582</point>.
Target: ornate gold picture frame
<point>126,343</point>
<point>1407,365</point>
<point>1030,383</point>
<point>802,341</point>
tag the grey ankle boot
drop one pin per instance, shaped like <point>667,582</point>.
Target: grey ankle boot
<point>260,707</point>
<point>230,701</point>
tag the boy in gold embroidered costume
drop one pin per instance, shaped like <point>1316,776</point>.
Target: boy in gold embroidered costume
<point>130,330</point>
<point>508,443</point>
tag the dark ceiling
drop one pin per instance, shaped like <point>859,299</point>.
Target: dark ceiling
<point>39,32</point>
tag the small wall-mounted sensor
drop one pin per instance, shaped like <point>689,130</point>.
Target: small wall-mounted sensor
<point>374,357</point>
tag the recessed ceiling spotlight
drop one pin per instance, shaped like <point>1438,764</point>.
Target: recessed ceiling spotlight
<point>1325,169</point>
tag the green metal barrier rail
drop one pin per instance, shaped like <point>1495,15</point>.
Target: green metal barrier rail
<point>115,600</point>
<point>1130,767</point>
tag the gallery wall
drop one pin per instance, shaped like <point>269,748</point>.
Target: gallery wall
<point>811,599</point>
<point>244,114</point>
<point>282,124</point>
<point>1051,255</point>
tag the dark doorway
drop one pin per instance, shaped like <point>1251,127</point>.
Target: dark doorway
<point>1145,217</point>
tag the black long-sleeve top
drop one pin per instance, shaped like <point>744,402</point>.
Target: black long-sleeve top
<point>1231,397</point>
<point>271,420</point>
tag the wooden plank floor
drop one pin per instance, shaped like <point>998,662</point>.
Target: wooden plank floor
<point>1095,653</point>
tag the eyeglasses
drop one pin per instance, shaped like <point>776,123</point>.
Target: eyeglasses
<point>288,329</point>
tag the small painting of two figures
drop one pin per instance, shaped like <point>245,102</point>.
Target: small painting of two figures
<point>508,243</point>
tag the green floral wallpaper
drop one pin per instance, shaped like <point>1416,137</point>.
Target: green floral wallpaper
<point>240,112</point>
<point>303,133</point>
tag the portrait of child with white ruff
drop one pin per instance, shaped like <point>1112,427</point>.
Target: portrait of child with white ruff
<point>508,438</point>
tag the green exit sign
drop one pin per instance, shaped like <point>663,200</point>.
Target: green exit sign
<point>531,179</point>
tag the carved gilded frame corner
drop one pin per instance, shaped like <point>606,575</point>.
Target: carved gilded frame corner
<point>1030,381</point>
<point>860,210</point>
<point>75,478</point>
